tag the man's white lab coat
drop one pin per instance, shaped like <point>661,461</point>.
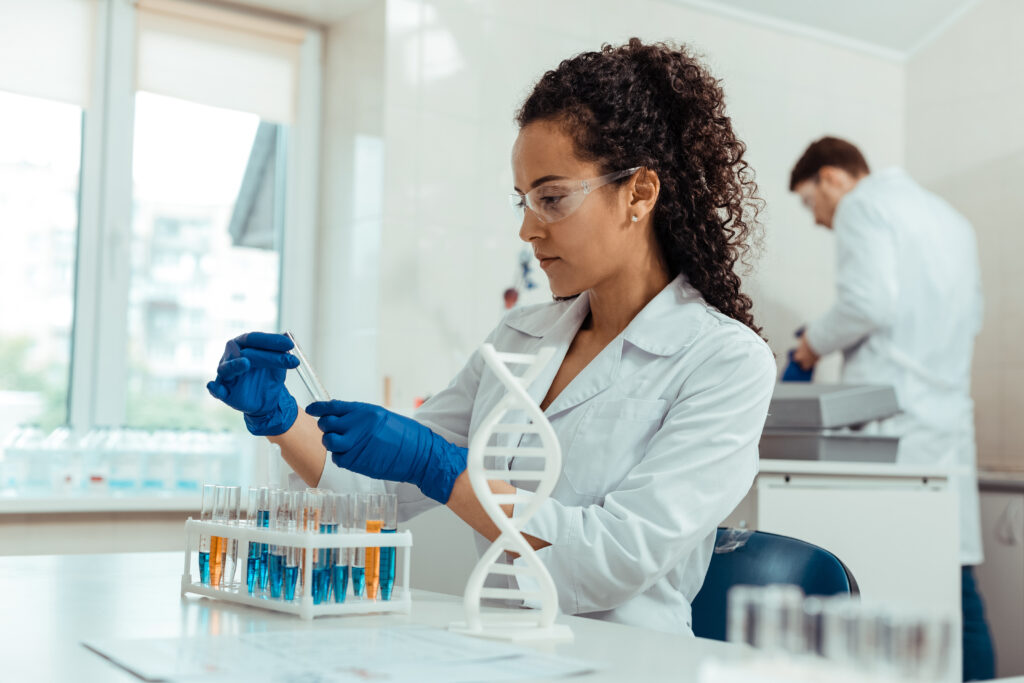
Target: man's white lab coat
<point>907,310</point>
<point>659,438</point>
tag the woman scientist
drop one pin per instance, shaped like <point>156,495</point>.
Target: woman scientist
<point>637,201</point>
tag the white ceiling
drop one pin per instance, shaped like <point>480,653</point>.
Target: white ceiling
<point>893,27</point>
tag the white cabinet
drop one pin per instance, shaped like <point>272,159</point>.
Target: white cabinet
<point>1001,577</point>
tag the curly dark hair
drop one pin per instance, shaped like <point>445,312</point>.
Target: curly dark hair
<point>656,106</point>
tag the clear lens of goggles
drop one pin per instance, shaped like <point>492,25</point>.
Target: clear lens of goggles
<point>554,201</point>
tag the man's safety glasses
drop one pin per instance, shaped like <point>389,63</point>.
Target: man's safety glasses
<point>556,200</point>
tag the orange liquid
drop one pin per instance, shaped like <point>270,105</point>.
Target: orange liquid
<point>373,526</point>
<point>218,546</point>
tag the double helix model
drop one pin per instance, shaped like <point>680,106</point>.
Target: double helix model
<point>546,460</point>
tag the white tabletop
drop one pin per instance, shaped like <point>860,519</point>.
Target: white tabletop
<point>51,604</point>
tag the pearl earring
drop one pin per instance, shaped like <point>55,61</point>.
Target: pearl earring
<point>635,219</point>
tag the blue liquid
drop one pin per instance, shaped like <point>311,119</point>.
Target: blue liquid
<point>263,520</point>
<point>291,577</point>
<point>358,581</point>
<point>321,585</point>
<point>340,582</point>
<point>276,573</point>
<point>204,568</point>
<point>252,567</point>
<point>387,568</point>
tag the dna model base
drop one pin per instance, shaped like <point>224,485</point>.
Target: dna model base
<point>513,624</point>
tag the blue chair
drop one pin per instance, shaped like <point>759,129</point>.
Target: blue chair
<point>761,560</point>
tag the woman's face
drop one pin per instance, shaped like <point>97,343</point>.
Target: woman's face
<point>594,243</point>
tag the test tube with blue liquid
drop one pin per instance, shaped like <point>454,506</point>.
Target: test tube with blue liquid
<point>206,515</point>
<point>358,566</point>
<point>343,513</point>
<point>293,556</point>
<point>278,521</point>
<point>387,554</point>
<point>263,520</point>
<point>252,510</point>
<point>324,563</point>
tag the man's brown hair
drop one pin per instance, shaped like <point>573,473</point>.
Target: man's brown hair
<point>828,151</point>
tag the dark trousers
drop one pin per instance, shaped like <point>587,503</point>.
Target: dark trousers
<point>979,657</point>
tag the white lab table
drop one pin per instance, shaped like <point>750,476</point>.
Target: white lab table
<point>51,603</point>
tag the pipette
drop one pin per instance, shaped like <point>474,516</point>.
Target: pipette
<point>306,374</point>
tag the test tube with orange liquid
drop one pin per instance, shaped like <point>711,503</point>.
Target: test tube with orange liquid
<point>374,523</point>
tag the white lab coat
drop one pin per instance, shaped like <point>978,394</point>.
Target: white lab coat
<point>659,439</point>
<point>907,310</point>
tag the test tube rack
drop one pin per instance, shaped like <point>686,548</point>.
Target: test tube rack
<point>401,598</point>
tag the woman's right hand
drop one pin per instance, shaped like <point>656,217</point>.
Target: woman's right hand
<point>250,379</point>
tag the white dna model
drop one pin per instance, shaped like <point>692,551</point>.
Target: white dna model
<point>528,569</point>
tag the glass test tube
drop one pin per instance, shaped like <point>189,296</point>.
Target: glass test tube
<point>293,556</point>
<point>374,512</point>
<point>306,374</point>
<point>278,521</point>
<point>263,520</point>
<point>358,557</point>
<point>218,544</point>
<point>387,554</point>
<point>343,513</point>
<point>205,515</point>
<point>234,495</point>
<point>324,566</point>
<point>309,522</point>
<point>252,519</point>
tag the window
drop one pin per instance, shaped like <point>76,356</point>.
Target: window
<point>146,169</point>
<point>40,148</point>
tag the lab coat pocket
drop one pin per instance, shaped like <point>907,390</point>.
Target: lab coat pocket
<point>611,439</point>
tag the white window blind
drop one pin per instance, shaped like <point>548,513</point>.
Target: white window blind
<point>46,48</point>
<point>218,57</point>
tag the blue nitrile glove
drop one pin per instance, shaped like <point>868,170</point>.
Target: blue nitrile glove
<point>793,371</point>
<point>371,440</point>
<point>250,378</point>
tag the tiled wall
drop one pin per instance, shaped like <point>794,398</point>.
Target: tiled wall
<point>456,72</point>
<point>965,102</point>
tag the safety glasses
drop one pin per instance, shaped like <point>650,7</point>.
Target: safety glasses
<point>556,200</point>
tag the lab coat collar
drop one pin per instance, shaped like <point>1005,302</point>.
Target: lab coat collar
<point>663,327</point>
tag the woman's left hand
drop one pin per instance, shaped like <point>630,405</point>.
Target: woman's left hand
<point>373,441</point>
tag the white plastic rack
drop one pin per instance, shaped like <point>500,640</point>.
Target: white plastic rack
<point>401,599</point>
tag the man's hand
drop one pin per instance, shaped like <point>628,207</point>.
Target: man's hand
<point>805,356</point>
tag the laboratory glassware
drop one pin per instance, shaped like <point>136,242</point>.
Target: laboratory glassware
<point>374,512</point>
<point>305,369</point>
<point>342,557</point>
<point>358,569</point>
<point>206,515</point>
<point>218,544</point>
<point>324,565</point>
<point>278,507</point>
<point>293,555</point>
<point>234,495</point>
<point>252,514</point>
<point>388,553</point>
<point>263,520</point>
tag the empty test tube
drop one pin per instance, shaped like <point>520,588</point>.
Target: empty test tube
<point>387,554</point>
<point>306,374</point>
<point>233,498</point>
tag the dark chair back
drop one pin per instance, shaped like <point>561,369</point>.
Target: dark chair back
<point>760,558</point>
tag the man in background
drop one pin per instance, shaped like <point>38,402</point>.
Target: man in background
<point>908,307</point>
